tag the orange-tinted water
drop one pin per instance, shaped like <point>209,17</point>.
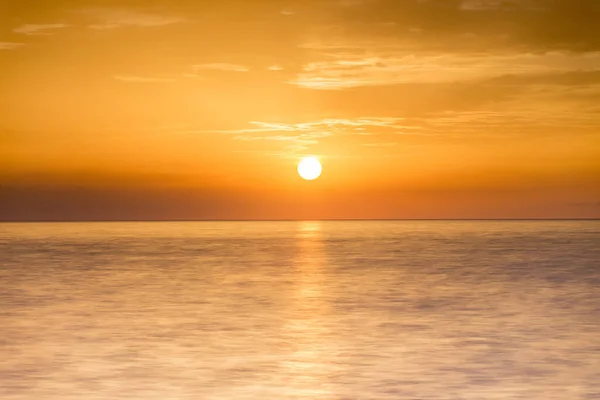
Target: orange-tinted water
<point>300,310</point>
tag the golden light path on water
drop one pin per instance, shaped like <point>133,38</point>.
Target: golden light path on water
<point>310,366</point>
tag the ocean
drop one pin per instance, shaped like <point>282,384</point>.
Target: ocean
<point>331,310</point>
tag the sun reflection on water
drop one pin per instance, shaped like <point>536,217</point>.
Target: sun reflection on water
<point>310,365</point>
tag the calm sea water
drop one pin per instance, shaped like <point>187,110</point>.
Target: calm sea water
<point>300,310</point>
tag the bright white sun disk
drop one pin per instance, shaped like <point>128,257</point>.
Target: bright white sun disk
<point>309,168</point>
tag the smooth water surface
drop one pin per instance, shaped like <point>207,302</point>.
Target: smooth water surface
<point>300,310</point>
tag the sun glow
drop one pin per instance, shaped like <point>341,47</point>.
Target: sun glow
<point>309,168</point>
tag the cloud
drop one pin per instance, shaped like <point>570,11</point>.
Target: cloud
<point>482,4</point>
<point>347,69</point>
<point>572,78</point>
<point>533,110</point>
<point>300,136</point>
<point>303,138</point>
<point>321,128</point>
<point>297,142</point>
<point>351,3</point>
<point>526,115</point>
<point>275,68</point>
<point>10,45</point>
<point>260,130</point>
<point>221,67</point>
<point>528,24</point>
<point>117,18</point>
<point>38,29</point>
<point>144,79</point>
<point>339,125</point>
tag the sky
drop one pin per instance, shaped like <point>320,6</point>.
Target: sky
<point>181,109</point>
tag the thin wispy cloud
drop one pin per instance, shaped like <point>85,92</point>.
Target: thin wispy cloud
<point>480,4</point>
<point>221,67</point>
<point>10,45</point>
<point>348,69</point>
<point>38,29</point>
<point>331,126</point>
<point>539,110</point>
<point>117,18</point>
<point>485,5</point>
<point>513,121</point>
<point>327,127</point>
<point>294,143</point>
<point>302,136</point>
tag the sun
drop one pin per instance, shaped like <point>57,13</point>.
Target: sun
<point>310,168</point>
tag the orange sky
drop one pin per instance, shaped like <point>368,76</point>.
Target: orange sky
<point>202,109</point>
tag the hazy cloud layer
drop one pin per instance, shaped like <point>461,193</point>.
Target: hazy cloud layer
<point>556,24</point>
<point>305,134</point>
<point>109,18</point>
<point>9,45</point>
<point>39,29</point>
<point>351,70</point>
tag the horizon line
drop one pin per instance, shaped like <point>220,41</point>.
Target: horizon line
<point>295,220</point>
